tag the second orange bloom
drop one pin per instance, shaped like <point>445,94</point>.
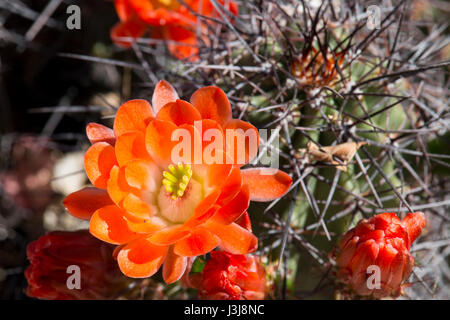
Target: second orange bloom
<point>175,21</point>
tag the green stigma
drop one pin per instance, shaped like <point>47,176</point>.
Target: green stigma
<point>176,179</point>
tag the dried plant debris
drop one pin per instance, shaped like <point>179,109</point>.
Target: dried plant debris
<point>339,155</point>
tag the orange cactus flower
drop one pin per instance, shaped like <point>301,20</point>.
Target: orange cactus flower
<point>163,211</point>
<point>230,277</point>
<point>313,70</point>
<point>52,254</point>
<point>171,20</point>
<point>382,241</point>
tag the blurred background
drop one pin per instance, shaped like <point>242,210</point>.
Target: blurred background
<point>40,145</point>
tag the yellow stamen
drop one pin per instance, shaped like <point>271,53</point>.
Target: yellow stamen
<point>176,179</point>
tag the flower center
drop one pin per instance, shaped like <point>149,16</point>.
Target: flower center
<point>176,179</point>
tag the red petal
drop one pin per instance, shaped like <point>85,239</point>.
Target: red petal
<point>179,112</point>
<point>235,208</point>
<point>136,207</point>
<point>123,9</point>
<point>108,224</point>
<point>384,261</point>
<point>147,226</point>
<point>169,236</point>
<point>168,143</point>
<point>365,255</point>
<point>141,258</point>
<point>118,187</point>
<point>204,210</point>
<point>99,133</point>
<point>201,241</point>
<point>131,28</point>
<point>414,223</point>
<point>131,146</point>
<point>242,141</point>
<point>163,94</point>
<point>156,15</point>
<point>174,267</point>
<point>213,141</point>
<point>383,221</point>
<point>184,44</point>
<point>212,103</point>
<point>347,252</point>
<point>233,237</point>
<point>244,221</point>
<point>143,175</point>
<point>98,162</point>
<point>266,184</point>
<point>231,187</point>
<point>83,203</point>
<point>158,140</point>
<point>133,115</point>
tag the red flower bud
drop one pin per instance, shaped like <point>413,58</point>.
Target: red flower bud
<point>231,277</point>
<point>52,254</point>
<point>374,258</point>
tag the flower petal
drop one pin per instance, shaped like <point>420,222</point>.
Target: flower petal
<point>218,173</point>
<point>143,175</point>
<point>201,241</point>
<point>147,226</point>
<point>83,203</point>
<point>234,208</point>
<point>163,94</point>
<point>169,236</point>
<point>156,15</point>
<point>168,143</point>
<point>266,184</point>
<point>414,223</point>
<point>131,146</point>
<point>108,224</point>
<point>242,141</point>
<point>212,133</point>
<point>384,261</point>
<point>233,237</point>
<point>179,112</point>
<point>123,9</point>
<point>131,28</point>
<point>212,103</point>
<point>136,206</point>
<point>98,161</point>
<point>244,221</point>
<point>184,45</point>
<point>141,258</point>
<point>213,168</point>
<point>99,133</point>
<point>231,186</point>
<point>158,140</point>
<point>133,115</point>
<point>118,187</point>
<point>347,252</point>
<point>204,210</point>
<point>174,267</point>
